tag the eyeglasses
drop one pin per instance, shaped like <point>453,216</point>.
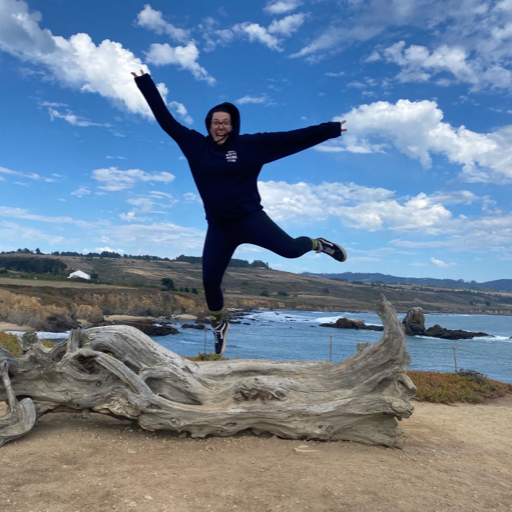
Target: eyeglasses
<point>225,124</point>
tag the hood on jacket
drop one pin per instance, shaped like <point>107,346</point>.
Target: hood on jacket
<point>235,119</point>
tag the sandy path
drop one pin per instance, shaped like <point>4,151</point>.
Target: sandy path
<point>455,458</point>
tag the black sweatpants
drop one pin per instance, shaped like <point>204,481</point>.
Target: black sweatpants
<point>256,228</point>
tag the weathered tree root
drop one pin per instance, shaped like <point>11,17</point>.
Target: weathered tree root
<point>118,370</point>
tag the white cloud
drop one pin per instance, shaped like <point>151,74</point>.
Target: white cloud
<point>80,192</point>
<point>160,195</point>
<point>52,104</point>
<point>72,119</point>
<point>258,33</point>
<point>329,73</point>
<point>183,56</point>
<point>153,20</point>
<point>419,65</point>
<point>155,237</point>
<point>417,130</point>
<point>23,213</point>
<point>18,233</point>
<point>190,197</point>
<point>252,99</point>
<point>75,62</point>
<point>470,39</point>
<point>281,6</point>
<point>288,25</point>
<point>182,111</point>
<point>31,176</point>
<point>440,263</point>
<point>112,179</point>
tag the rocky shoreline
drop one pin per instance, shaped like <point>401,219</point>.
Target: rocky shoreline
<point>414,325</point>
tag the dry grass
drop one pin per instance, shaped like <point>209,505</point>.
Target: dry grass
<point>10,342</point>
<point>448,388</point>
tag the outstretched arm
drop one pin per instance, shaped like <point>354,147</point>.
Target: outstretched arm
<point>280,144</point>
<point>181,134</point>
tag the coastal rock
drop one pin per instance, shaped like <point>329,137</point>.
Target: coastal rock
<point>446,334</point>
<point>150,329</point>
<point>347,323</point>
<point>414,322</point>
<point>200,327</point>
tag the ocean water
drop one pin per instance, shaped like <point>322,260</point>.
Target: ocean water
<point>297,335</point>
<point>293,335</point>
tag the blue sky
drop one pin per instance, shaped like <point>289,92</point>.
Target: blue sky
<point>420,185</point>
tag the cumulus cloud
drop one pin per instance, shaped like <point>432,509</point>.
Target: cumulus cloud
<point>256,32</point>
<point>113,180</point>
<point>490,233</point>
<point>417,130</point>
<point>367,208</point>
<point>80,192</point>
<point>287,25</point>
<point>419,64</point>
<point>78,62</point>
<point>423,221</point>
<point>471,41</point>
<point>153,20</point>
<point>281,6</point>
<point>183,56</point>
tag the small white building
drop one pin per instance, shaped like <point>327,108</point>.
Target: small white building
<point>79,273</point>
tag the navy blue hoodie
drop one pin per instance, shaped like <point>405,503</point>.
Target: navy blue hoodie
<point>226,175</point>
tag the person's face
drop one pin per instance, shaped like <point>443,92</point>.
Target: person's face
<point>220,127</point>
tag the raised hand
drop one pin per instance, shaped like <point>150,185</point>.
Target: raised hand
<point>342,123</point>
<point>141,73</point>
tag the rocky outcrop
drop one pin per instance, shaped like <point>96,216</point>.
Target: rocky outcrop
<point>150,328</point>
<point>347,323</point>
<point>414,325</point>
<point>446,334</point>
<point>57,309</point>
<point>414,322</point>
<point>20,309</point>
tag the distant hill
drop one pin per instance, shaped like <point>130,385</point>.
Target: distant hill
<point>504,285</point>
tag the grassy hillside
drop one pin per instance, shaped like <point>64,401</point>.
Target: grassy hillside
<point>258,287</point>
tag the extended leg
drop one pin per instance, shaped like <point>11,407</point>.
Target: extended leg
<point>219,247</point>
<point>259,229</point>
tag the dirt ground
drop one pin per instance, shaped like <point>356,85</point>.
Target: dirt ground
<point>455,458</point>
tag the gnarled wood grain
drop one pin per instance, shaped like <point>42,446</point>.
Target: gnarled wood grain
<point>118,370</point>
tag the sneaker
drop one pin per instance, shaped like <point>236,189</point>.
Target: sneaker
<point>334,250</point>
<point>220,334</point>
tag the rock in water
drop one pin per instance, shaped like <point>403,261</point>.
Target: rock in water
<point>347,323</point>
<point>447,334</point>
<point>414,322</point>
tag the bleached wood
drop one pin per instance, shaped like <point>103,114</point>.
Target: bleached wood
<point>118,370</point>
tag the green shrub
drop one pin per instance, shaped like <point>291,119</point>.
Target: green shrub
<point>447,388</point>
<point>10,342</point>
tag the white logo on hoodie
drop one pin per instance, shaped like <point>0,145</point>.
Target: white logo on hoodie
<point>231,156</point>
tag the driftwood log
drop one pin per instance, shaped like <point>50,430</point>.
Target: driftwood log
<point>118,370</point>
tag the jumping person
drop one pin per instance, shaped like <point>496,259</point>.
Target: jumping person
<point>225,167</point>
